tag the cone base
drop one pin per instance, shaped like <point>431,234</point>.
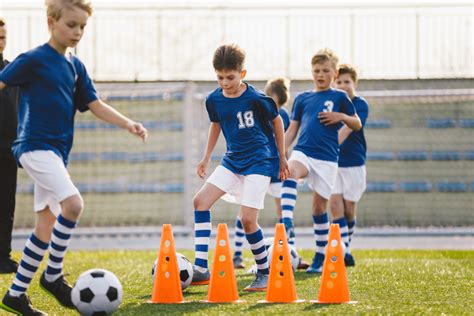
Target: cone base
<point>319,302</point>
<point>268,302</point>
<point>167,303</point>
<point>216,302</point>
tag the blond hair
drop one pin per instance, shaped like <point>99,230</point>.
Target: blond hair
<point>325,55</point>
<point>54,8</point>
<point>280,88</point>
<point>348,69</point>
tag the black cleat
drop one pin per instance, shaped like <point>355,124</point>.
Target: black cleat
<point>59,289</point>
<point>19,305</point>
<point>8,265</point>
<point>349,260</point>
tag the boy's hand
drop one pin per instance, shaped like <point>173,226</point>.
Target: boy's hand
<point>329,118</point>
<point>137,129</point>
<point>201,168</point>
<point>284,170</point>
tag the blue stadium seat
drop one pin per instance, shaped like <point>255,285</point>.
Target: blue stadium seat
<point>378,123</point>
<point>472,187</point>
<point>469,155</point>
<point>451,187</point>
<point>441,123</point>
<point>114,156</point>
<point>380,155</point>
<point>445,155</point>
<point>415,186</point>
<point>381,187</point>
<point>466,123</point>
<point>83,156</point>
<point>412,155</point>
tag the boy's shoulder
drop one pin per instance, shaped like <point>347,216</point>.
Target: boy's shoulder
<point>304,94</point>
<point>216,93</point>
<point>360,102</point>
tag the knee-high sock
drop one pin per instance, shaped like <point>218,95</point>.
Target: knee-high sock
<point>259,250</point>
<point>351,228</point>
<point>238,238</point>
<point>60,238</point>
<point>344,231</point>
<point>32,256</point>
<point>288,202</point>
<point>321,232</point>
<point>202,234</point>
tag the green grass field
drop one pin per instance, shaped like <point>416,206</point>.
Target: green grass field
<point>395,282</point>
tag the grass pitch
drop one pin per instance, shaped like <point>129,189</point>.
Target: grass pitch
<point>397,282</point>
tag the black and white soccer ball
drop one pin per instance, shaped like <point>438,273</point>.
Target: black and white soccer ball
<point>294,256</point>
<point>97,292</point>
<point>185,268</point>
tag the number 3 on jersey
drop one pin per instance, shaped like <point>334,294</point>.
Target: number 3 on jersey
<point>245,120</point>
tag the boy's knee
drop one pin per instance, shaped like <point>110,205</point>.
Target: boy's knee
<point>73,206</point>
<point>197,202</point>
<point>249,224</point>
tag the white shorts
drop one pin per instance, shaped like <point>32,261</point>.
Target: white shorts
<point>274,189</point>
<point>244,190</point>
<point>52,181</point>
<point>321,174</point>
<point>350,182</point>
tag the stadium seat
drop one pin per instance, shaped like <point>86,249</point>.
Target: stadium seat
<point>412,155</point>
<point>381,187</point>
<point>378,123</point>
<point>114,156</point>
<point>451,187</point>
<point>469,155</point>
<point>380,155</point>
<point>415,186</point>
<point>440,123</point>
<point>466,123</point>
<point>445,155</point>
<point>83,156</point>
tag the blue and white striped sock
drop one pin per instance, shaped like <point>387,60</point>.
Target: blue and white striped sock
<point>60,238</point>
<point>238,238</point>
<point>288,202</point>
<point>259,250</point>
<point>344,231</point>
<point>202,234</point>
<point>321,232</point>
<point>32,256</point>
<point>351,228</point>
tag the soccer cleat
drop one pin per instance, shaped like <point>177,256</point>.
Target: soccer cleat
<point>59,289</point>
<point>349,260</point>
<point>238,262</point>
<point>303,265</point>
<point>19,305</point>
<point>8,265</point>
<point>200,278</point>
<point>316,266</point>
<point>259,284</point>
<point>290,231</point>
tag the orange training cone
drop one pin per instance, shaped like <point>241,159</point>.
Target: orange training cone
<point>281,283</point>
<point>167,285</point>
<point>223,285</point>
<point>334,288</point>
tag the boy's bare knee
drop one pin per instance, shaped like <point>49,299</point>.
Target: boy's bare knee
<point>197,202</point>
<point>72,207</point>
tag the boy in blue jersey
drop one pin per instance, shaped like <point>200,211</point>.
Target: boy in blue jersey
<point>53,86</point>
<point>351,174</point>
<point>250,123</point>
<point>319,114</point>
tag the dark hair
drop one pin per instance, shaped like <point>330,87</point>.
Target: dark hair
<point>348,69</point>
<point>2,22</point>
<point>229,57</point>
<point>280,87</point>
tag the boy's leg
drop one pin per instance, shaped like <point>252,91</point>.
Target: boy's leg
<point>321,232</point>
<point>349,213</point>
<point>238,244</point>
<point>203,200</point>
<point>337,215</point>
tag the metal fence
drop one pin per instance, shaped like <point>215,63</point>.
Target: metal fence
<point>164,41</point>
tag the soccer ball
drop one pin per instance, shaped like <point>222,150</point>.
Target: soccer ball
<point>185,268</point>
<point>294,257</point>
<point>97,292</point>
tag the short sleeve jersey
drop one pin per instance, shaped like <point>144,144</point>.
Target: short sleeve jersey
<point>246,124</point>
<point>317,140</point>
<point>52,87</point>
<point>354,148</point>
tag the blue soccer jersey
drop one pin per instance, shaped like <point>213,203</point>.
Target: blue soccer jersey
<point>52,88</point>
<point>354,148</point>
<point>317,140</point>
<point>246,124</point>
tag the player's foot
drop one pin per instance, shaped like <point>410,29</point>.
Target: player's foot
<point>238,262</point>
<point>303,264</point>
<point>349,260</point>
<point>19,305</point>
<point>259,284</point>
<point>200,278</point>
<point>59,289</point>
<point>290,231</point>
<point>316,266</point>
<point>8,265</point>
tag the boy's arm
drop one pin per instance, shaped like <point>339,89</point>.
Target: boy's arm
<point>329,118</point>
<point>344,132</point>
<point>280,141</point>
<point>291,132</point>
<point>212,137</point>
<point>110,115</point>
